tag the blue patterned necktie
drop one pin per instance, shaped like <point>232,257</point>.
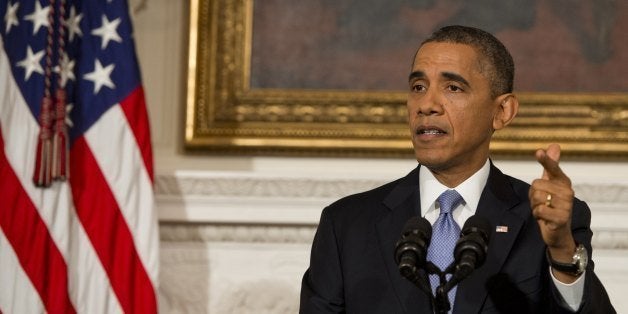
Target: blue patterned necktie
<point>444,236</point>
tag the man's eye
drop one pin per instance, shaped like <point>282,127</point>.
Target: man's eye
<point>418,88</point>
<point>454,88</point>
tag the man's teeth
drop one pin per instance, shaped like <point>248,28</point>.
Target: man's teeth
<point>431,132</point>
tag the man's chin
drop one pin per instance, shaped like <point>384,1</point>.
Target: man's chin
<point>430,158</point>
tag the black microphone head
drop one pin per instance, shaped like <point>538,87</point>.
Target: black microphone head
<point>474,239</point>
<point>415,238</point>
<point>418,225</point>
<point>477,224</point>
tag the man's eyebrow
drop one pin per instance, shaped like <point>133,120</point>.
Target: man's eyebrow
<point>416,75</point>
<point>447,75</point>
<point>455,77</point>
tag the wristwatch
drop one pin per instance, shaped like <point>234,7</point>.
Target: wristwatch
<point>577,265</point>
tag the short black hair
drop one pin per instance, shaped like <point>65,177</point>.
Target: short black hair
<point>501,72</point>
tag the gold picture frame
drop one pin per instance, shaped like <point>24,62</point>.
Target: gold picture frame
<point>225,115</point>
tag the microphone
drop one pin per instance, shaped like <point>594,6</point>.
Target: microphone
<point>470,251</point>
<point>411,249</point>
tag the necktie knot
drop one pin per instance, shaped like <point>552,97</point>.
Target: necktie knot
<point>449,200</point>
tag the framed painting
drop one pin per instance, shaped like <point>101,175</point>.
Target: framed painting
<point>329,77</point>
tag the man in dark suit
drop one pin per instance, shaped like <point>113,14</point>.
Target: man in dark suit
<point>460,92</point>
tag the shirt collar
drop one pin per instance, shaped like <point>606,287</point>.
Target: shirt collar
<point>470,190</point>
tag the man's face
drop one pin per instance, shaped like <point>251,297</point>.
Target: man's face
<point>450,108</point>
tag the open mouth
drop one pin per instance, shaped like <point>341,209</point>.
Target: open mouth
<point>430,131</point>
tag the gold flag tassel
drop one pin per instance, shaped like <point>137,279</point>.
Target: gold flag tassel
<point>43,158</point>
<point>60,139</point>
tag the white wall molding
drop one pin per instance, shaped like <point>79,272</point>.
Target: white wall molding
<point>181,232</point>
<point>211,197</point>
<point>215,184</point>
<point>240,185</point>
<point>602,239</point>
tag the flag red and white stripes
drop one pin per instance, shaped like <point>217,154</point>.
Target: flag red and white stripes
<point>88,244</point>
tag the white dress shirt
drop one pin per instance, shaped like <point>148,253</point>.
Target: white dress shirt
<point>471,190</point>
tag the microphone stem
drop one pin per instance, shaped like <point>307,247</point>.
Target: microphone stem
<point>441,301</point>
<point>423,283</point>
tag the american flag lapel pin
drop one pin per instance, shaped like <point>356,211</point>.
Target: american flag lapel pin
<point>503,229</point>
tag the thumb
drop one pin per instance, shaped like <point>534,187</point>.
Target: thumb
<point>553,152</point>
<point>549,159</point>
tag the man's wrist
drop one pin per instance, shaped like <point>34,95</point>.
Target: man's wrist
<point>568,271</point>
<point>563,254</point>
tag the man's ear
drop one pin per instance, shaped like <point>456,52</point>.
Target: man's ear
<point>507,108</point>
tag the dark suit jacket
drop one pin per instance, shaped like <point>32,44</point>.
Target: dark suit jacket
<point>352,267</point>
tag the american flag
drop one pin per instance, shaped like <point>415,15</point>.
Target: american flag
<point>87,243</point>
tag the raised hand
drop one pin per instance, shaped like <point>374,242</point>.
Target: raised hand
<point>551,199</point>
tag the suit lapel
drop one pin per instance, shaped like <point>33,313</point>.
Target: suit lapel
<point>402,203</point>
<point>497,204</point>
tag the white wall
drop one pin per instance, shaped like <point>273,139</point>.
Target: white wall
<point>235,229</point>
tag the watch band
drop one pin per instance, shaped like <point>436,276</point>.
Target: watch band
<point>576,267</point>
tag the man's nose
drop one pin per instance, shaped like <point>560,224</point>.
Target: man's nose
<point>427,104</point>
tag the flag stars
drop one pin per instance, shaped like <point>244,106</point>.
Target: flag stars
<point>32,63</point>
<point>108,31</point>
<point>39,17</point>
<point>68,110</point>
<point>10,18</point>
<point>73,24</point>
<point>101,76</point>
<point>65,69</point>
